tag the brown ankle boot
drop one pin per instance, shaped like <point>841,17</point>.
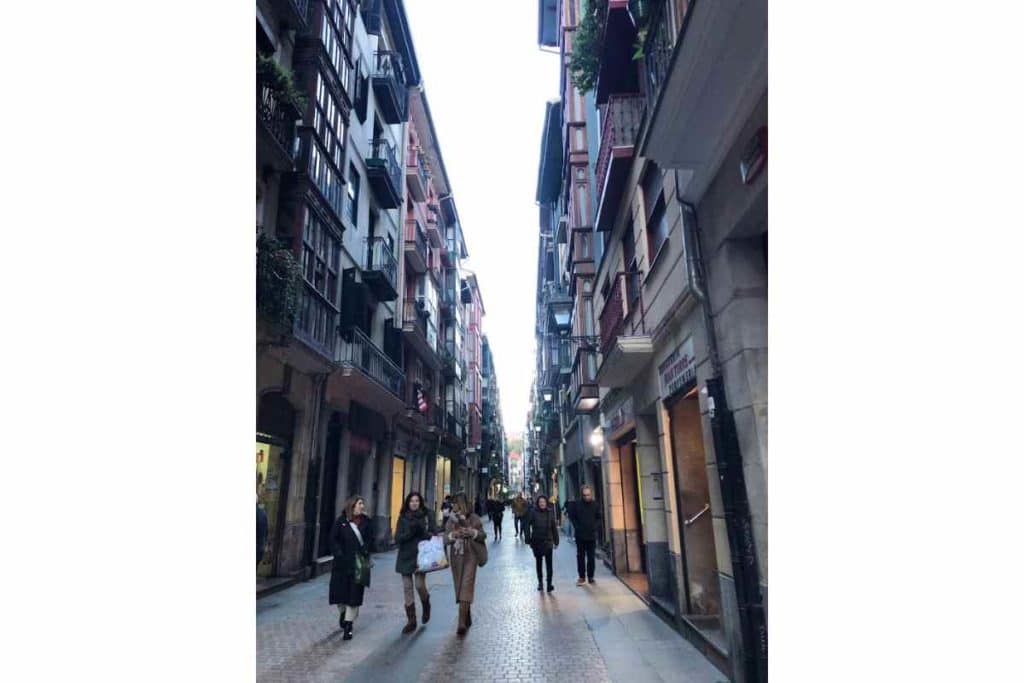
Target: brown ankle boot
<point>463,618</point>
<point>410,613</point>
<point>425,599</point>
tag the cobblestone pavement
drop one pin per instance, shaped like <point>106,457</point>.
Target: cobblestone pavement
<point>592,633</point>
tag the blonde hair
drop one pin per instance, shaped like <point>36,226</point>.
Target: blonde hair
<point>460,503</point>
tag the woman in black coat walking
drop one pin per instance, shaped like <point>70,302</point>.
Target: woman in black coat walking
<point>415,524</point>
<point>350,539</point>
<point>542,535</point>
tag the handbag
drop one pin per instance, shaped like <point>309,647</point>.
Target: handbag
<point>430,555</point>
<point>480,550</point>
<point>362,570</point>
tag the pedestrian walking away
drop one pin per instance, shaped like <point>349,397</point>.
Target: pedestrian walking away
<point>465,534</point>
<point>519,514</point>
<point>496,511</point>
<point>542,536</point>
<point>350,575</point>
<point>415,524</point>
<point>585,516</point>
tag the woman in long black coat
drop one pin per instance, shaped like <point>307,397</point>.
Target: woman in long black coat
<point>350,537</point>
<point>415,524</point>
<point>542,535</point>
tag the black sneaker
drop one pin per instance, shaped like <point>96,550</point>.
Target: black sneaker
<point>591,580</point>
<point>550,587</point>
<point>540,586</point>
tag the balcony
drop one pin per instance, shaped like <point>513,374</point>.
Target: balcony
<point>384,174</point>
<point>447,299</point>
<point>704,75</point>
<point>581,255</point>
<point>583,389</point>
<point>415,246</point>
<point>417,179</point>
<point>366,374</point>
<point>625,342</point>
<point>292,13</point>
<point>622,118</point>
<point>276,119</point>
<point>617,72</point>
<point>435,226</point>
<point>421,331</point>
<point>381,273</point>
<point>452,366</point>
<point>389,87</point>
<point>372,19</point>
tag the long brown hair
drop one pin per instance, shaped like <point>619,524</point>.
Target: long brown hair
<point>350,505</point>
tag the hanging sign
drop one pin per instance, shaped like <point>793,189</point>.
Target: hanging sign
<point>679,369</point>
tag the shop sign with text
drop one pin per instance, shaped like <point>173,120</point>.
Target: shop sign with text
<point>679,369</point>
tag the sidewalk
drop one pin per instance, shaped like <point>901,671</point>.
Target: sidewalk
<point>594,633</point>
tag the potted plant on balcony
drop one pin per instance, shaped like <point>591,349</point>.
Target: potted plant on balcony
<point>278,283</point>
<point>586,46</point>
<point>281,83</point>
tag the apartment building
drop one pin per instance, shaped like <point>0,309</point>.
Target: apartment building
<point>677,145</point>
<point>360,358</point>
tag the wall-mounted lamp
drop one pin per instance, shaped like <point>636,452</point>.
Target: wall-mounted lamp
<point>597,437</point>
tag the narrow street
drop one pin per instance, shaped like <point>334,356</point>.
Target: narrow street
<point>601,632</point>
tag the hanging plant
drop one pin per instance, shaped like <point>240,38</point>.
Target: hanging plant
<point>278,281</point>
<point>586,46</point>
<point>280,81</point>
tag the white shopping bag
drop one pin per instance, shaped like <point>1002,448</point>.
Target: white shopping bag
<point>430,555</point>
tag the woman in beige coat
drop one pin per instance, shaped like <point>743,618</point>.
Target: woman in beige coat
<point>464,535</point>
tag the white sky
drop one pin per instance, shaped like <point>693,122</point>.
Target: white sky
<point>487,82</point>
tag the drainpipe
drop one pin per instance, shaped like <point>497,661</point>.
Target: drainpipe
<point>729,461</point>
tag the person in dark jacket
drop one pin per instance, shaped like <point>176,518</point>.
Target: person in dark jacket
<point>496,511</point>
<point>262,527</point>
<point>542,536</point>
<point>585,516</point>
<point>415,524</point>
<point>350,539</point>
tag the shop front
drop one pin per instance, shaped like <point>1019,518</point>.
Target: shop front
<point>275,423</point>
<point>700,601</point>
<point>625,496</point>
<point>442,481</point>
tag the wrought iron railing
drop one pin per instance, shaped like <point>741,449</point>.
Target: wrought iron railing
<point>383,151</point>
<point>360,352</point>
<point>623,313</point>
<point>380,258</point>
<point>658,46</point>
<point>622,117</point>
<point>277,115</point>
<point>417,313</point>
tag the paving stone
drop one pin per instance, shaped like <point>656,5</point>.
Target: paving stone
<point>518,634</point>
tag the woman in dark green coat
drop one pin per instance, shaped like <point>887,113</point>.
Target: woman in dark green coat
<point>415,524</point>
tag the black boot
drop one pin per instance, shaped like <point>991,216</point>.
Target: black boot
<point>347,625</point>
